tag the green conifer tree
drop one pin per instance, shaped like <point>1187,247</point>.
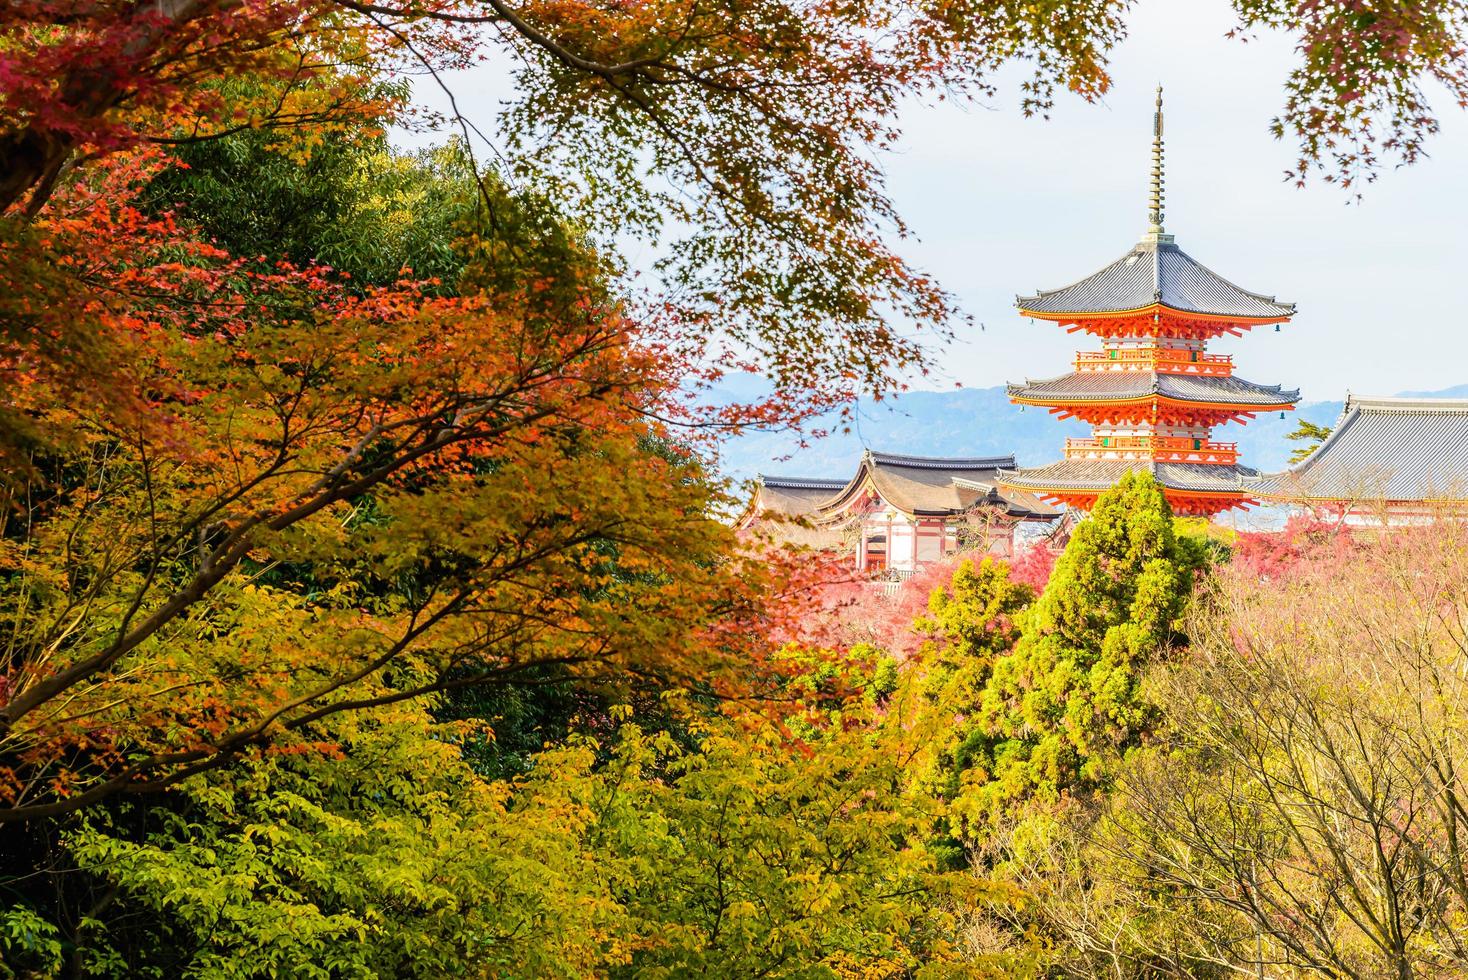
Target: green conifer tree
<point>1311,435</point>
<point>971,622</point>
<point>1067,701</point>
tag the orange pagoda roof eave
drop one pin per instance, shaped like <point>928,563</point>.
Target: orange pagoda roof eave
<point>1214,501</point>
<point>1150,310</point>
<point>1170,491</point>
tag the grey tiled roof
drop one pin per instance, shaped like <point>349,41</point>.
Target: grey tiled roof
<point>1384,449</point>
<point>1101,474</point>
<point>942,462</point>
<point>915,484</point>
<point>1114,385</point>
<point>923,485</point>
<point>928,484</point>
<point>800,482</point>
<point>1156,273</point>
<point>1016,502</point>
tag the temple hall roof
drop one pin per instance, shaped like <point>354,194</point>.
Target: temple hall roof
<point>1156,272</point>
<point>881,459</point>
<point>1083,386</point>
<point>1384,449</point>
<point>792,496</point>
<point>1102,474</point>
<point>1017,503</point>
<point>916,485</point>
<point>922,484</point>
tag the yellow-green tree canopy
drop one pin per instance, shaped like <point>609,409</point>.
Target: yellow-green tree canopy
<point>1067,700</point>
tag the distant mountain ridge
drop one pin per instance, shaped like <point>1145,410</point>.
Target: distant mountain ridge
<point>982,422</point>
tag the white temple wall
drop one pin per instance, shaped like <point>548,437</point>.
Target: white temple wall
<point>900,548</point>
<point>930,545</point>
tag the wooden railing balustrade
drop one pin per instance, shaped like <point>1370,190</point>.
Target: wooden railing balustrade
<point>1166,449</point>
<point>1166,360</point>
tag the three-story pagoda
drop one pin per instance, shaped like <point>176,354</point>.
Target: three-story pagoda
<point>1153,393</point>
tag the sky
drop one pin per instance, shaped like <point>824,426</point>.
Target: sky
<point>1002,205</point>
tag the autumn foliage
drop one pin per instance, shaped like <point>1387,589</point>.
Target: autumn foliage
<point>407,484</point>
<point>366,602</point>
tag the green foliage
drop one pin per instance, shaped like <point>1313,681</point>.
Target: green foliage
<point>1310,434</point>
<point>1215,543</point>
<point>376,215</point>
<point>974,615</point>
<point>835,688</point>
<point>754,860</point>
<point>1067,701</point>
<point>512,724</point>
<point>971,622</point>
<point>30,946</point>
<point>630,856</point>
<point>352,203</point>
<point>517,721</point>
<point>1040,697</point>
<point>392,860</point>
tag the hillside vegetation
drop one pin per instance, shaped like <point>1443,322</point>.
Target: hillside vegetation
<point>365,607</point>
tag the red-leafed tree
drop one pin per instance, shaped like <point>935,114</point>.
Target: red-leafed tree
<point>1303,542</point>
<point>745,127</point>
<point>242,494</point>
<point>301,499</point>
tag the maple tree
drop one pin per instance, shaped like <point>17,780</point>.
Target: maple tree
<point>1358,92</point>
<point>332,498</point>
<point>740,131</point>
<point>621,855</point>
<point>273,492</point>
<point>759,116</point>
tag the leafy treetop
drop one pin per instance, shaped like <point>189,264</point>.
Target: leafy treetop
<point>1311,435</point>
<point>743,133</point>
<point>1068,700</point>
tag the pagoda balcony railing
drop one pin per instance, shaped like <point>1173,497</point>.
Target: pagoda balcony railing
<point>1165,360</point>
<point>1162,449</point>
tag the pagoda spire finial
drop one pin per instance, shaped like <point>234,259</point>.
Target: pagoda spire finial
<point>1156,198</point>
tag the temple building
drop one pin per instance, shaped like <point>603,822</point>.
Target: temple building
<point>898,513</point>
<point>1387,460</point>
<point>1153,393</point>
